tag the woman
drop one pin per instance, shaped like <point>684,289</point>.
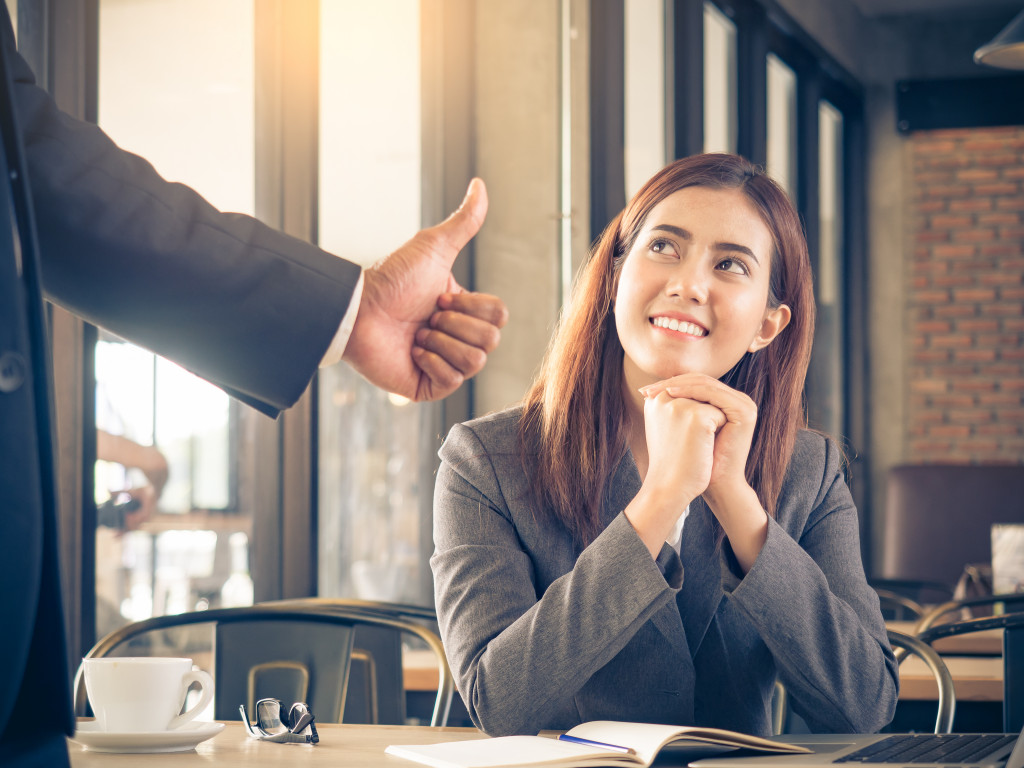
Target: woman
<point>651,536</point>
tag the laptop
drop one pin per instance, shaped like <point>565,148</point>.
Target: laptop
<point>906,750</point>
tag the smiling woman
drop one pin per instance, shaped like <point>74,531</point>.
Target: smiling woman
<point>663,437</point>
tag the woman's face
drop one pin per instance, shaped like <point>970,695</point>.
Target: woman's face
<point>693,292</point>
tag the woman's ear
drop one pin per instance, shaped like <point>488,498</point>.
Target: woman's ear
<point>774,321</point>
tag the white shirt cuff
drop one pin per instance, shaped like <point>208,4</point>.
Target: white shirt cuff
<point>337,348</point>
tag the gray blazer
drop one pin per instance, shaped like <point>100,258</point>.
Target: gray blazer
<point>543,635</point>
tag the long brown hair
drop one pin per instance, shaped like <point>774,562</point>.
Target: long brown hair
<point>573,431</point>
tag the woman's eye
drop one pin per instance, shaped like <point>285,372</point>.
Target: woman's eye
<point>662,246</point>
<point>733,265</point>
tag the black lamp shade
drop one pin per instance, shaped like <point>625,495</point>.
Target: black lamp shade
<point>1006,50</point>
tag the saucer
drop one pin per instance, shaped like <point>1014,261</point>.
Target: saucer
<point>89,735</point>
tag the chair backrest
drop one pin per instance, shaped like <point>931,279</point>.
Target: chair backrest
<point>938,517</point>
<point>947,693</point>
<point>344,662</point>
<point>1012,625</point>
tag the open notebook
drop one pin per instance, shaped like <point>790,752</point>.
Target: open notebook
<point>597,743</point>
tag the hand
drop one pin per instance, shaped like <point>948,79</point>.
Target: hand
<point>727,479</point>
<point>728,494</point>
<point>681,437</point>
<point>418,333</point>
<point>680,442</point>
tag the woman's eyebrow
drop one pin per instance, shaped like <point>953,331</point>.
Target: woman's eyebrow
<point>684,234</point>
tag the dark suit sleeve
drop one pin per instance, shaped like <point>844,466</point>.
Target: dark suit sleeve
<point>238,303</point>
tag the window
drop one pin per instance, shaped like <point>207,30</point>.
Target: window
<point>644,91</point>
<point>376,451</point>
<point>719,81</point>
<point>782,121</point>
<point>830,326</point>
<point>189,110</point>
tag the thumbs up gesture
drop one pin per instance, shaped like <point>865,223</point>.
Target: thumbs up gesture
<point>418,333</point>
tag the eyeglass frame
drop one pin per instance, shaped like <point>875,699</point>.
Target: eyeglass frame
<point>293,734</point>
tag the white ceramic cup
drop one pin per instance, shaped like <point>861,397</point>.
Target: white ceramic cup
<point>143,694</point>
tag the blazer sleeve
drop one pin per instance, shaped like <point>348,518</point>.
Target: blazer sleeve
<point>236,302</point>
<point>812,605</point>
<point>518,656</point>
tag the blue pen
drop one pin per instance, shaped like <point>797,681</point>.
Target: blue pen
<point>601,744</point>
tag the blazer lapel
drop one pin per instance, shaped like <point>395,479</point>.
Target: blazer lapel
<point>702,593</point>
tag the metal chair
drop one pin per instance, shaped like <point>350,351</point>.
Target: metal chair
<point>910,645</point>
<point>947,693</point>
<point>931,617</point>
<point>1012,625</point>
<point>290,653</point>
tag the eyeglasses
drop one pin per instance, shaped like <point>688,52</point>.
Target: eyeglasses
<point>272,724</point>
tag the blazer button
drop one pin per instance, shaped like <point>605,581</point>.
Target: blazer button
<point>13,370</point>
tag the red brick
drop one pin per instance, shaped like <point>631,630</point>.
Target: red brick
<point>950,430</point>
<point>951,281</point>
<point>973,266</point>
<point>953,401</point>
<point>928,177</point>
<point>972,416</point>
<point>928,386</point>
<point>1007,203</point>
<point>931,356</point>
<point>976,235</point>
<point>933,147</point>
<point>948,191</point>
<point>1000,399</point>
<point>1012,385</point>
<point>930,297</point>
<point>975,204</point>
<point>935,206</point>
<point>978,295</point>
<point>998,340</point>
<point>952,221</point>
<point>1001,310</point>
<point>951,340</point>
<point>985,145</point>
<point>975,355</point>
<point>926,447</point>
<point>1003,160</point>
<point>1001,278</point>
<point>973,385</point>
<point>979,446</point>
<point>977,325</point>
<point>1011,294</point>
<point>977,174</point>
<point>933,326</point>
<point>955,310</point>
<point>951,251</point>
<point>997,429</point>
<point>1008,217</point>
<point>997,189</point>
<point>999,249</point>
<point>932,236</point>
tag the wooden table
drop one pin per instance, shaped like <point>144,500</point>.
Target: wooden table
<point>988,642</point>
<point>975,678</point>
<point>351,746</point>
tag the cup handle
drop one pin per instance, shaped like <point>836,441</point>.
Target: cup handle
<point>206,686</point>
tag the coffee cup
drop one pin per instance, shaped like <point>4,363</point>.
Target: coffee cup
<point>143,694</point>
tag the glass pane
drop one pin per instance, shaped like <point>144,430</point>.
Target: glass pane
<point>720,124</point>
<point>782,124</point>
<point>828,375</point>
<point>644,91</point>
<point>376,452</point>
<point>188,109</point>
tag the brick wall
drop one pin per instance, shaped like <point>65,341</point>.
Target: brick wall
<point>965,297</point>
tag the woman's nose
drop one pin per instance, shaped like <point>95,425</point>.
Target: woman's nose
<point>689,282</point>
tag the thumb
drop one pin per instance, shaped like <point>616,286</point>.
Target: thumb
<point>459,228</point>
